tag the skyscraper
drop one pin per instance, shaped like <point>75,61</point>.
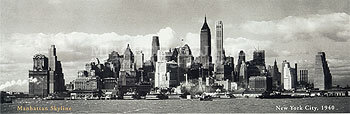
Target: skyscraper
<point>166,73</point>
<point>155,48</point>
<point>115,59</point>
<point>220,55</point>
<point>205,45</point>
<point>322,77</point>
<point>185,60</point>
<point>282,72</point>
<point>219,42</point>
<point>139,59</point>
<point>259,57</point>
<point>243,76</point>
<point>56,79</point>
<point>52,68</point>
<point>241,59</point>
<point>304,77</point>
<point>276,76</point>
<point>287,77</point>
<point>38,77</point>
<point>127,72</point>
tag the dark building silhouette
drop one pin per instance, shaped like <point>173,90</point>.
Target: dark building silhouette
<point>155,48</point>
<point>259,57</point>
<point>148,72</point>
<point>304,78</point>
<point>229,68</point>
<point>322,78</point>
<point>205,45</point>
<point>239,76</point>
<point>294,72</point>
<point>276,76</point>
<point>115,59</point>
<point>256,67</point>
<point>38,77</point>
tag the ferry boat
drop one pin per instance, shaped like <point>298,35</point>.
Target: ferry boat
<point>277,95</point>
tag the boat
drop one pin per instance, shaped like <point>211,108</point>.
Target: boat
<point>131,96</point>
<point>53,98</point>
<point>225,96</point>
<point>206,98</point>
<point>156,96</point>
<point>277,95</point>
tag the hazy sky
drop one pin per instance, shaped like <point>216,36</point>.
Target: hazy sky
<point>293,30</point>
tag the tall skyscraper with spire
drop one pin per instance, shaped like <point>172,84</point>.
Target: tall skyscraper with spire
<point>276,76</point>
<point>205,45</point>
<point>128,71</point>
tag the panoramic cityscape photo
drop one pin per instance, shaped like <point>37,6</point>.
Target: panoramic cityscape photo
<point>164,56</point>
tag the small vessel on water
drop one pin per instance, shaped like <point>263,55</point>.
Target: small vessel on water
<point>156,96</point>
<point>226,96</point>
<point>277,95</point>
<point>53,98</point>
<point>206,98</point>
<point>131,96</point>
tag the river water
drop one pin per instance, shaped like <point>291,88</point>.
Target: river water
<point>239,105</point>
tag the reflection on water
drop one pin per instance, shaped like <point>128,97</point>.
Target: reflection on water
<point>181,106</point>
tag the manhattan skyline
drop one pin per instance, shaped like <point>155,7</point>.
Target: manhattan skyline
<point>295,35</point>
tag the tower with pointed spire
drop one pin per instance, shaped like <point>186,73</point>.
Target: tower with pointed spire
<point>276,76</point>
<point>128,71</point>
<point>205,45</point>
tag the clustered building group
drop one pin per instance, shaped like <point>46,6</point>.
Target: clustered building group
<point>175,69</point>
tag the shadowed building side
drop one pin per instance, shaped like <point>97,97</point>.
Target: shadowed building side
<point>322,77</point>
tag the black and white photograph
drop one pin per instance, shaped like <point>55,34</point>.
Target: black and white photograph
<point>175,56</point>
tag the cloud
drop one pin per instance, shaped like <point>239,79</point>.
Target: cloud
<point>13,84</point>
<point>334,26</point>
